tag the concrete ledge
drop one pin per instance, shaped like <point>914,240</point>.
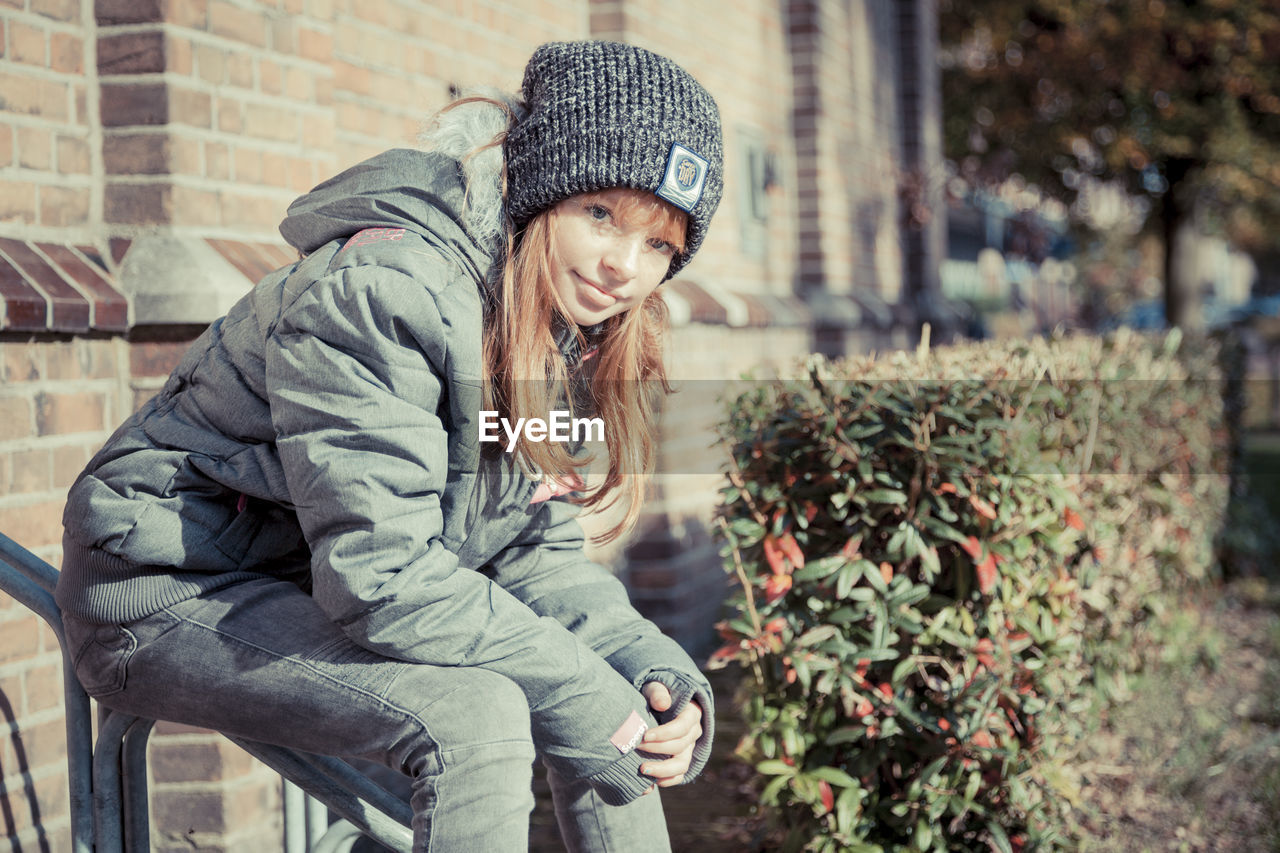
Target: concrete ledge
<point>172,279</point>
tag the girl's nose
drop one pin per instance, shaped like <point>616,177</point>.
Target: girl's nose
<point>623,256</point>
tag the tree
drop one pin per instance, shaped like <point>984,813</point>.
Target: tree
<point>1178,102</point>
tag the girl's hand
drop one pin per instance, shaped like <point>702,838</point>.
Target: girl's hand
<point>674,738</point>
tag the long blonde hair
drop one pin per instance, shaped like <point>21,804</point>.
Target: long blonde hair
<point>525,372</point>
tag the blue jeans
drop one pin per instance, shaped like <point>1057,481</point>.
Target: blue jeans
<point>260,660</point>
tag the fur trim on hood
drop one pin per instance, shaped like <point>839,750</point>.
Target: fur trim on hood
<point>460,133</point>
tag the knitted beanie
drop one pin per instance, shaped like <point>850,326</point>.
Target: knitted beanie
<point>605,115</point>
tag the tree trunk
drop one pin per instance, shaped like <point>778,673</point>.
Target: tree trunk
<point>1182,298</point>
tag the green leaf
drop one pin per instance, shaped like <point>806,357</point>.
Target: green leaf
<point>914,595</point>
<point>906,665</point>
<point>775,767</point>
<point>845,614</point>
<point>971,788</point>
<point>930,772</point>
<point>941,530</point>
<point>820,568</point>
<point>998,837</point>
<point>747,528</point>
<point>871,572</point>
<point>923,835</point>
<point>770,792</point>
<point>835,776</point>
<point>803,675</point>
<point>857,433</point>
<point>845,734</point>
<point>816,635</point>
<point>880,627</point>
<point>848,804</point>
<point>893,497</point>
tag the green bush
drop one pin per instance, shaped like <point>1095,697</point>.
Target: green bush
<point>938,571</point>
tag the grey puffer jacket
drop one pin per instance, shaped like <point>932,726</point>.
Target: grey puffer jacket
<point>325,430</point>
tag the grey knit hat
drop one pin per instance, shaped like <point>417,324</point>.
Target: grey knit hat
<point>604,115</point>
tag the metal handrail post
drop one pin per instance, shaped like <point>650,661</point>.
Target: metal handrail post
<point>295,825</point>
<point>134,803</point>
<point>317,817</point>
<point>108,784</point>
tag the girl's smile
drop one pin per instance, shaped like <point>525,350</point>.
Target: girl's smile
<point>597,294</point>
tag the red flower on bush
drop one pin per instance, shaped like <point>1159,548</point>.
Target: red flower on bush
<point>776,586</point>
<point>773,556</point>
<point>791,549</point>
<point>828,796</point>
<point>984,649</point>
<point>726,651</point>
<point>987,574</point>
<point>983,508</point>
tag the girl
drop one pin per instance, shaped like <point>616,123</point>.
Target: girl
<point>302,540</point>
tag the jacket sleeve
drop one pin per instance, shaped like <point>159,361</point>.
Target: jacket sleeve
<point>353,372</point>
<point>545,568</point>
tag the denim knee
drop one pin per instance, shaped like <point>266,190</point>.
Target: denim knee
<point>482,716</point>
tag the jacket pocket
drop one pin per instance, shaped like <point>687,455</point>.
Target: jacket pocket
<point>102,661</point>
<point>234,541</point>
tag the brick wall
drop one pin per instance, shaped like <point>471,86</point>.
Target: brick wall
<point>393,63</point>
<point>843,57</point>
<point>59,399</point>
<point>47,135</point>
<point>217,113</point>
<point>209,794</point>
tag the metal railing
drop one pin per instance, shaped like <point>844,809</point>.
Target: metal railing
<point>107,780</point>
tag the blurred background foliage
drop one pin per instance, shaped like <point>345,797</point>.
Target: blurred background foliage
<point>1174,104</point>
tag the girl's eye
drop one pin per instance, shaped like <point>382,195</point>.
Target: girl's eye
<point>598,212</point>
<point>662,246</point>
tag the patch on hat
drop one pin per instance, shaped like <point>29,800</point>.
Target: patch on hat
<point>685,177</point>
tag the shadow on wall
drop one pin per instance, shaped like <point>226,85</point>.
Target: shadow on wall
<point>28,785</point>
<point>674,576</point>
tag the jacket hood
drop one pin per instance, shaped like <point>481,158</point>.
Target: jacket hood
<point>424,192</point>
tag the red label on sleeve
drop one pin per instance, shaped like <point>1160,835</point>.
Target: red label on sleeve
<point>629,733</point>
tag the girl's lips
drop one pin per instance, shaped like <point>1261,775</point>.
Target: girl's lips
<point>597,294</point>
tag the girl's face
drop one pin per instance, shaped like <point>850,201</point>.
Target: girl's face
<point>610,250</point>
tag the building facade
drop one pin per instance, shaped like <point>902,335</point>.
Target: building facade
<point>148,149</point>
